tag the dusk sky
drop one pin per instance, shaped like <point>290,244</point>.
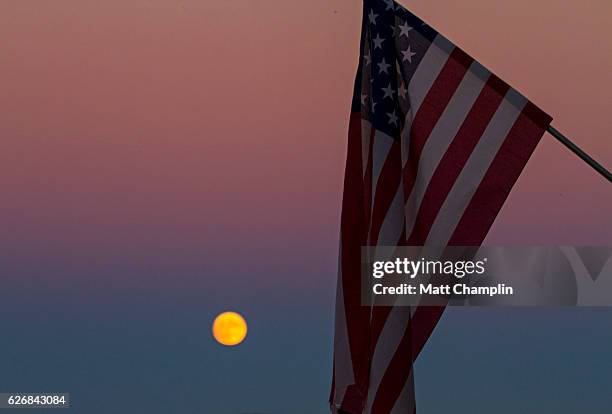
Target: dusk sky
<point>163,161</point>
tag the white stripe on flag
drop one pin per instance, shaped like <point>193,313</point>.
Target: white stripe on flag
<point>424,77</point>
<point>390,338</point>
<point>442,135</point>
<point>380,149</point>
<point>392,226</point>
<point>475,168</point>
<point>428,70</point>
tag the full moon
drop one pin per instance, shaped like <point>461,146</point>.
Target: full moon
<point>229,328</point>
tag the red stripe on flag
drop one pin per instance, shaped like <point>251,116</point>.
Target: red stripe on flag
<point>399,368</point>
<point>386,189</point>
<point>396,375</point>
<point>456,156</point>
<point>367,180</point>
<point>431,109</point>
<point>500,177</point>
<point>354,235</point>
<point>381,313</point>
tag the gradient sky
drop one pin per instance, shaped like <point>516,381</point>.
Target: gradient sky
<point>163,161</point>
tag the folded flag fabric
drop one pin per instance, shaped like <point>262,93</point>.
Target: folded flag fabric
<point>436,142</point>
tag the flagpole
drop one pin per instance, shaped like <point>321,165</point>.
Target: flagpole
<point>580,153</point>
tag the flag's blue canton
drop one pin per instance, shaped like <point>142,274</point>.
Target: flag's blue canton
<point>387,62</point>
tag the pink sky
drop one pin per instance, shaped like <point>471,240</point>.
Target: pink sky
<point>133,127</point>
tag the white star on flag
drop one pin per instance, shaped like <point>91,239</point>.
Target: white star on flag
<point>378,41</point>
<point>383,67</point>
<point>372,17</point>
<point>388,91</point>
<point>404,29</point>
<point>408,54</point>
<point>393,118</point>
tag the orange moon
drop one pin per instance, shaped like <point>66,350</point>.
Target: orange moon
<point>229,328</point>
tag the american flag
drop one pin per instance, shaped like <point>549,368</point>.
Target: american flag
<point>435,144</point>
